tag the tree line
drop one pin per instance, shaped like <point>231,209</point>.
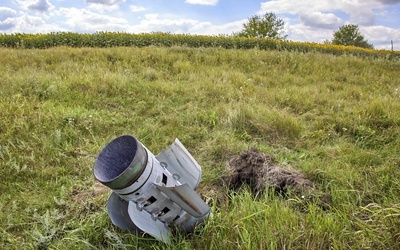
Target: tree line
<point>270,26</point>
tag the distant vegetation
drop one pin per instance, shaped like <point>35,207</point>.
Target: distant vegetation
<point>350,35</point>
<point>335,118</point>
<point>265,26</point>
<point>118,39</point>
<point>270,26</point>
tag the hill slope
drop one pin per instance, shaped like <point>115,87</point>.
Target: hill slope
<point>335,118</point>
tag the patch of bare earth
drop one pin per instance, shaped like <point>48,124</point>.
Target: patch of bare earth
<point>87,198</point>
<point>260,172</point>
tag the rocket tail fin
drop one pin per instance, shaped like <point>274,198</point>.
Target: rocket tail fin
<point>185,197</point>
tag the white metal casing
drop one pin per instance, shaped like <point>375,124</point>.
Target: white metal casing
<point>163,196</point>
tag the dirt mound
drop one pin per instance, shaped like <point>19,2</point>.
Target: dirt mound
<point>260,171</point>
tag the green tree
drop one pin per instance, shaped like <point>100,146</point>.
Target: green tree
<point>349,34</point>
<point>266,26</point>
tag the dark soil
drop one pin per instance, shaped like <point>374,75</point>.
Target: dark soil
<point>260,172</point>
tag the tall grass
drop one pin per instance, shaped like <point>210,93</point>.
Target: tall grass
<point>336,118</point>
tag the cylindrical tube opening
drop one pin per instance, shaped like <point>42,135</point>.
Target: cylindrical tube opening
<point>121,162</point>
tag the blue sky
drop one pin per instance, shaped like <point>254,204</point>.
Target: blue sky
<point>305,20</point>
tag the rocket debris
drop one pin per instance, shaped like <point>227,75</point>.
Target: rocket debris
<point>152,194</point>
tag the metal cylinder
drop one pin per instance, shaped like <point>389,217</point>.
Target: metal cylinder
<point>151,190</point>
<point>120,163</point>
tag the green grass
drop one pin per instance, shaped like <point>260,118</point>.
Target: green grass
<point>336,118</point>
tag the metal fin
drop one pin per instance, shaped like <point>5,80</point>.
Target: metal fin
<point>185,197</point>
<point>181,164</point>
<point>146,223</point>
<point>118,212</point>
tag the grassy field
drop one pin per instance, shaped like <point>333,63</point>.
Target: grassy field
<point>336,118</point>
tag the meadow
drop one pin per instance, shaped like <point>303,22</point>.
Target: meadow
<point>336,118</point>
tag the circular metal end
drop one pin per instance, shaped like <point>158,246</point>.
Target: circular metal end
<point>121,162</point>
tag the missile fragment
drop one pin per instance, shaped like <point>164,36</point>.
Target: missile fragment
<point>152,194</point>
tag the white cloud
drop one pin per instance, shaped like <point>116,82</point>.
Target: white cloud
<point>41,6</point>
<point>321,20</point>
<point>361,12</point>
<point>7,18</point>
<point>381,36</point>
<point>101,8</point>
<point>302,33</point>
<point>82,20</point>
<point>157,23</point>
<point>6,13</point>
<point>104,2</point>
<point>26,23</point>
<point>364,16</point>
<point>208,28</point>
<point>13,21</point>
<point>389,2</point>
<point>135,8</point>
<point>7,24</point>
<point>202,2</point>
<point>174,24</point>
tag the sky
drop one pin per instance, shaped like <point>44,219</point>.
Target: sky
<point>305,20</point>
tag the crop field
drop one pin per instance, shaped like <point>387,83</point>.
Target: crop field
<point>118,39</point>
<point>335,118</point>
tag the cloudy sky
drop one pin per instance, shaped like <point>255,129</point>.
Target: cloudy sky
<point>305,20</point>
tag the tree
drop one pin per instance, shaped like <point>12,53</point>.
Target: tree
<point>349,34</point>
<point>266,26</point>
